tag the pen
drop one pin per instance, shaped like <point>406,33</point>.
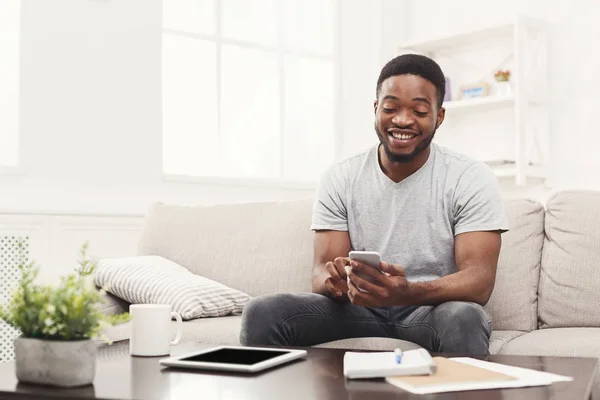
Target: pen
<point>398,354</point>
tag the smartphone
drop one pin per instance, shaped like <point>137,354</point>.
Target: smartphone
<point>370,258</point>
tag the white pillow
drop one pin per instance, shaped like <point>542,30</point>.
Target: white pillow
<point>156,280</point>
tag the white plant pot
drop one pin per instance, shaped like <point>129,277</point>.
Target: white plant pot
<point>503,88</point>
<point>56,363</point>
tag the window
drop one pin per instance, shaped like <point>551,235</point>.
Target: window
<point>9,84</point>
<point>249,88</point>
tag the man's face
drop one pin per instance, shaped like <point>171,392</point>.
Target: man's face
<point>406,116</point>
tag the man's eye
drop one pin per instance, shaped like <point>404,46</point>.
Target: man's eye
<point>421,114</point>
<point>389,110</point>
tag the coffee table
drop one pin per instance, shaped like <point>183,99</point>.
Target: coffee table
<point>319,376</point>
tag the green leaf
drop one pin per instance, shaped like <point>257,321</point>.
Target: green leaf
<point>67,311</point>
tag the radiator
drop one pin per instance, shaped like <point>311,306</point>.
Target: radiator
<point>9,276</point>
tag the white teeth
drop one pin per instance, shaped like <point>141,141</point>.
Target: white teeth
<point>402,136</point>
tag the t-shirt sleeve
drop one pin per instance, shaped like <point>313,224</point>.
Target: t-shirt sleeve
<point>478,205</point>
<point>329,210</point>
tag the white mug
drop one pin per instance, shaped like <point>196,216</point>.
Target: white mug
<point>151,329</point>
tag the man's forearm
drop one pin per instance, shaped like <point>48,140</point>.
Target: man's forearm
<point>470,284</point>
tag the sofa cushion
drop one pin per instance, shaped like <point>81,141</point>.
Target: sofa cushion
<point>499,340</point>
<point>513,304</point>
<point>221,330</point>
<point>564,342</point>
<point>256,248</point>
<point>225,330</point>
<point>116,333</point>
<point>112,305</point>
<point>156,280</point>
<point>570,274</point>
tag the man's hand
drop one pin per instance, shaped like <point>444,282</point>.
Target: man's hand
<point>336,281</point>
<point>389,288</point>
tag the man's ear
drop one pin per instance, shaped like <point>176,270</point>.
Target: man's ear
<point>375,106</point>
<point>440,117</point>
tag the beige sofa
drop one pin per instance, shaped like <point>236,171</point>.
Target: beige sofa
<point>545,301</point>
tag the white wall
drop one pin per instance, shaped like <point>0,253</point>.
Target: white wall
<point>90,101</point>
<point>9,83</point>
<point>91,108</point>
<point>90,97</point>
<point>574,67</point>
<point>90,114</point>
<point>55,240</point>
<point>90,111</point>
<point>361,34</point>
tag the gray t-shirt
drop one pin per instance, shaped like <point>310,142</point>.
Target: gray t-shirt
<point>412,222</point>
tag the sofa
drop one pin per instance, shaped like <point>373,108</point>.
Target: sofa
<point>545,300</point>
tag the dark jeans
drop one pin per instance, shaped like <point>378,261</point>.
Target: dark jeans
<point>307,319</point>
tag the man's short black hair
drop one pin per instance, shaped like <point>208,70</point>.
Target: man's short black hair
<point>415,64</point>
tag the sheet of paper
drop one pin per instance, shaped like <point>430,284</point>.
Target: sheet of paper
<point>522,373</point>
<point>524,377</point>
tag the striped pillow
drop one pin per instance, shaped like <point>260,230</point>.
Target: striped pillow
<point>156,280</point>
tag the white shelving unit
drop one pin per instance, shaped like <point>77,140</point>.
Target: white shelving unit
<point>481,103</point>
<point>527,101</point>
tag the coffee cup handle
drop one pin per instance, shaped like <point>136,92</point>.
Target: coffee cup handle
<point>179,334</point>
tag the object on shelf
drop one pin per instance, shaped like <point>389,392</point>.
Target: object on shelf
<point>502,75</point>
<point>503,89</point>
<point>475,90</point>
<point>503,85</point>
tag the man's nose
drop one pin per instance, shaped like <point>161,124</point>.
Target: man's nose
<point>403,118</point>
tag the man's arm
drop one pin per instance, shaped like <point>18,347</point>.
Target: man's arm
<point>329,277</point>
<point>476,255</point>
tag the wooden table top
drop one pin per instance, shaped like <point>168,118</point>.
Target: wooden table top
<point>319,376</point>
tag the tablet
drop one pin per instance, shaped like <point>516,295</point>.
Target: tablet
<point>234,358</point>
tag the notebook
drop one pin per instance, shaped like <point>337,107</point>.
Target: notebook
<point>382,364</point>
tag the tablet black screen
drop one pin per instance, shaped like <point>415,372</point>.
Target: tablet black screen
<point>235,356</point>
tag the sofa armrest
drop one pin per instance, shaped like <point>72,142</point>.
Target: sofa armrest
<point>113,305</point>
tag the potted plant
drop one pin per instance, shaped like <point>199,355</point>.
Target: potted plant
<point>58,324</point>
<point>502,78</point>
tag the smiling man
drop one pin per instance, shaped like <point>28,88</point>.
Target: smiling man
<point>434,216</point>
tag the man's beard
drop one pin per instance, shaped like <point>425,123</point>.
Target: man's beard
<point>403,158</point>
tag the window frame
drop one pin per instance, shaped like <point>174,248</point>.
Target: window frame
<point>17,169</point>
<point>281,51</point>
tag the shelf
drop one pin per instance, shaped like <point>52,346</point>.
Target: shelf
<point>526,42</point>
<point>505,170</point>
<point>509,169</point>
<point>459,39</point>
<point>482,102</point>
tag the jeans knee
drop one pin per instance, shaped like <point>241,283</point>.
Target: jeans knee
<point>465,315</point>
<point>264,316</point>
<point>464,327</point>
<point>257,320</point>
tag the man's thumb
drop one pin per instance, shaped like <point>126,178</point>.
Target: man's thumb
<point>391,269</point>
